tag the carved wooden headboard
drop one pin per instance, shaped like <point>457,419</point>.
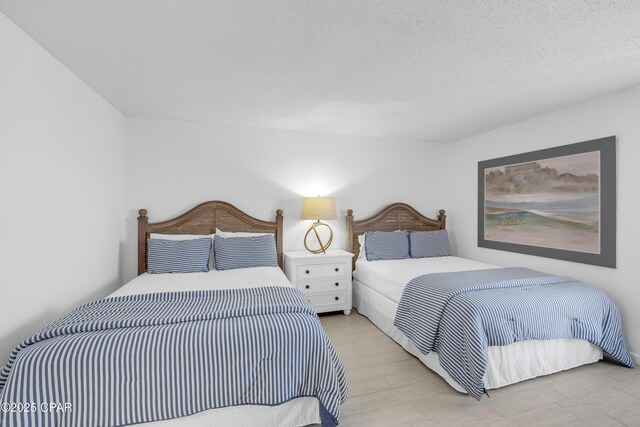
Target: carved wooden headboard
<point>204,219</point>
<point>396,216</point>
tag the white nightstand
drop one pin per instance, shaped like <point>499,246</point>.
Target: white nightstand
<point>324,278</point>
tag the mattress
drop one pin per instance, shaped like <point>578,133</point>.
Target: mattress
<point>378,287</point>
<point>227,279</point>
<point>297,412</point>
<point>389,277</point>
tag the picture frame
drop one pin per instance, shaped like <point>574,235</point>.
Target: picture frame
<point>557,203</point>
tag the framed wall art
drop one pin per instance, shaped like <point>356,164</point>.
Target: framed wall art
<point>557,203</point>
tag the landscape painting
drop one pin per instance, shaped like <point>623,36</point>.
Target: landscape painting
<point>551,205</point>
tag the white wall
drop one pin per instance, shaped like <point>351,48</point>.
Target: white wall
<point>614,114</point>
<point>60,189</point>
<point>173,165</point>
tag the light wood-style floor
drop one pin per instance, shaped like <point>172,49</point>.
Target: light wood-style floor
<point>389,387</point>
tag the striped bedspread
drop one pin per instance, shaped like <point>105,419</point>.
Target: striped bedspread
<point>134,359</point>
<point>459,314</point>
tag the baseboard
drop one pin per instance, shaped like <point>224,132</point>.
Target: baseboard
<point>636,358</point>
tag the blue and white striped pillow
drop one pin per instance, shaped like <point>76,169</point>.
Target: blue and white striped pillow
<point>426,244</point>
<point>381,245</point>
<point>244,252</point>
<point>178,256</point>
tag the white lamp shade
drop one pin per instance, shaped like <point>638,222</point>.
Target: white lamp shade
<point>318,208</point>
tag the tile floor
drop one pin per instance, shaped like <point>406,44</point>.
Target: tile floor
<point>389,387</point>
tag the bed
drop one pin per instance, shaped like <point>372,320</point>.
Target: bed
<point>257,332</point>
<point>379,287</point>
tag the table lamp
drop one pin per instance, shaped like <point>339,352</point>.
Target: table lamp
<point>318,208</point>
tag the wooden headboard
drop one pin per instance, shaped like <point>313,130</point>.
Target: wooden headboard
<point>204,219</point>
<point>396,216</point>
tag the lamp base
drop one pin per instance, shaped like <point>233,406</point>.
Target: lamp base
<point>323,247</point>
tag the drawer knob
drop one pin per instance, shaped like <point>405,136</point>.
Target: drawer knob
<point>337,284</point>
<point>337,269</point>
<point>307,271</point>
<point>307,286</point>
<point>337,298</point>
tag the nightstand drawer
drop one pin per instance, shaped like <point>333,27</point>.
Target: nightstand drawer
<point>337,284</point>
<point>321,270</point>
<point>320,301</point>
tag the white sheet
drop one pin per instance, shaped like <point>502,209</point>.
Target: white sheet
<point>226,279</point>
<point>390,277</point>
<point>378,286</point>
<point>297,412</point>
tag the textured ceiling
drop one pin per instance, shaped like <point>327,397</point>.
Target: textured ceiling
<point>425,70</point>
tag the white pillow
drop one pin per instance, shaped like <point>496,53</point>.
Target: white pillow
<point>363,251</point>
<point>185,237</point>
<point>229,234</point>
<point>179,236</point>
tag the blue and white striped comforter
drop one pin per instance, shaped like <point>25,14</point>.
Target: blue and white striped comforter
<point>459,314</point>
<point>141,358</point>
